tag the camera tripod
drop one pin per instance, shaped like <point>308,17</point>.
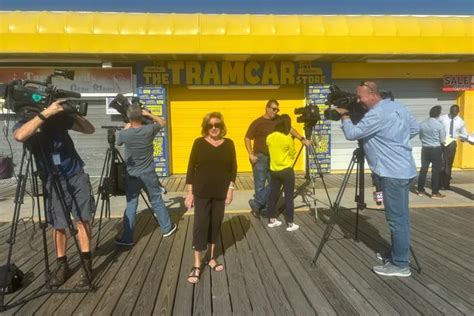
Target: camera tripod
<point>358,158</point>
<point>311,174</point>
<point>112,179</point>
<point>26,172</point>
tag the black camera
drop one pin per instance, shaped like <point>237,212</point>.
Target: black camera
<point>344,100</point>
<point>308,114</point>
<point>30,97</point>
<point>120,103</point>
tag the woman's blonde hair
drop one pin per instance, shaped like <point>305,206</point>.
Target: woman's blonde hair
<point>205,123</point>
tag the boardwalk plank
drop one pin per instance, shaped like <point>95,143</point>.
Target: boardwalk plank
<point>273,288</point>
<point>333,283</point>
<point>360,262</point>
<point>411,296</point>
<point>235,275</point>
<point>116,258</point>
<point>261,305</point>
<point>299,271</point>
<point>53,302</point>
<point>150,289</point>
<point>451,271</point>
<point>202,304</point>
<point>166,293</point>
<point>295,295</point>
<point>132,290</point>
<point>221,304</point>
<point>183,304</point>
<point>271,263</point>
<point>447,275</point>
<point>39,280</point>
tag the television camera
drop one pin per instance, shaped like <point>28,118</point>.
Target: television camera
<point>29,97</point>
<point>347,100</point>
<point>120,103</point>
<point>309,114</point>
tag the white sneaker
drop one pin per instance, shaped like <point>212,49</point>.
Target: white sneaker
<point>292,227</point>
<point>274,223</point>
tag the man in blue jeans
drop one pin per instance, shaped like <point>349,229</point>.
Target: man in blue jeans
<point>257,132</point>
<point>385,131</point>
<point>138,140</point>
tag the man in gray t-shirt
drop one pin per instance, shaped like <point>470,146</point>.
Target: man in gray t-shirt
<point>138,141</point>
<point>139,148</point>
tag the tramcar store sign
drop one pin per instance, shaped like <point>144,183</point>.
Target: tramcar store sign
<point>221,73</point>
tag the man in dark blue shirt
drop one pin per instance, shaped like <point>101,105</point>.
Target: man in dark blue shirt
<point>46,135</point>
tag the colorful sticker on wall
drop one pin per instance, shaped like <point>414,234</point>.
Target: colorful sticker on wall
<point>321,136</point>
<point>154,98</point>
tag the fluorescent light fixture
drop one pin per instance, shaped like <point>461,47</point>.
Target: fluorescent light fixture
<point>248,87</point>
<point>411,61</point>
<point>106,64</point>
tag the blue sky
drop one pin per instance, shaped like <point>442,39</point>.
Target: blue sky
<point>420,7</point>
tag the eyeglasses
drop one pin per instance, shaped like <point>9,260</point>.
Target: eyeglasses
<point>216,125</point>
<point>364,84</point>
<point>275,110</point>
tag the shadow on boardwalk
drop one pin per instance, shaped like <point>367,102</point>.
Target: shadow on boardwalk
<point>267,271</point>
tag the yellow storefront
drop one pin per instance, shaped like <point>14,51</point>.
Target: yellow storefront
<point>239,107</point>
<point>400,48</point>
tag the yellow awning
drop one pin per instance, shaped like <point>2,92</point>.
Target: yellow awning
<point>145,33</point>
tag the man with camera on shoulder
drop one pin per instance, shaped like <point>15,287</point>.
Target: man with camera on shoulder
<point>385,131</point>
<point>138,140</point>
<point>47,137</point>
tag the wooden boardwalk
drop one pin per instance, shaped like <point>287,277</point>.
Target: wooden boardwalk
<point>267,271</point>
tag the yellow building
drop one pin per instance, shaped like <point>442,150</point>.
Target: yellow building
<point>186,65</point>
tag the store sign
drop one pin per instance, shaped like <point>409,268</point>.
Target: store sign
<point>458,82</point>
<point>221,73</point>
<point>97,81</point>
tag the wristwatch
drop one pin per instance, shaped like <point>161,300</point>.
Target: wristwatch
<point>41,116</point>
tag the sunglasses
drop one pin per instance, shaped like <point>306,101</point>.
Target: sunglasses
<point>364,84</point>
<point>276,110</point>
<point>216,125</point>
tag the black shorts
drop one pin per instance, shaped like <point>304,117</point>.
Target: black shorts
<point>77,197</point>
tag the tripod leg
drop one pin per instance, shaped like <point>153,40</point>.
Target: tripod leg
<point>418,267</point>
<point>105,203</point>
<point>326,234</point>
<point>101,188</point>
<point>335,209</point>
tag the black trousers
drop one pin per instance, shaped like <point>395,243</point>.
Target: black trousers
<point>449,152</point>
<point>285,177</point>
<point>430,155</point>
<point>208,216</point>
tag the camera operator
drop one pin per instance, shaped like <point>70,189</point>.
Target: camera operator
<point>258,131</point>
<point>385,131</point>
<point>48,133</point>
<point>138,140</point>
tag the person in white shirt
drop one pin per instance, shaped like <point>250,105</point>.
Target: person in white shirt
<point>454,126</point>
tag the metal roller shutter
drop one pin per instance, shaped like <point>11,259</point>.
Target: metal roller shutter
<point>239,108</point>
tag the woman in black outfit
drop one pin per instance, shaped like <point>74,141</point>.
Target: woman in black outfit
<point>212,170</point>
